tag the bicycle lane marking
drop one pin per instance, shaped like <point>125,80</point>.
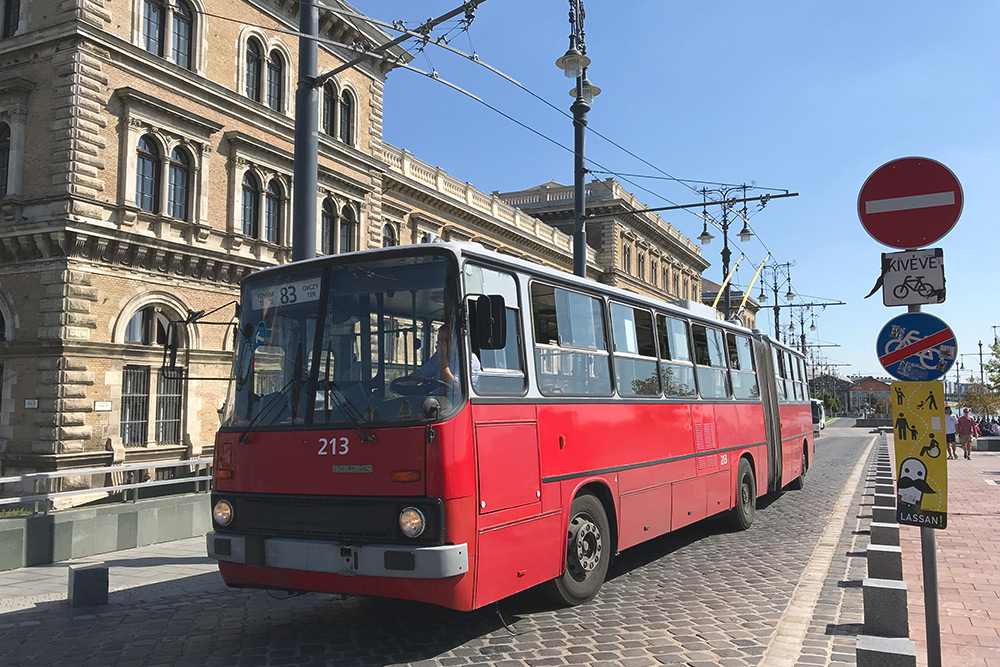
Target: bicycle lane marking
<point>919,346</point>
<point>784,647</point>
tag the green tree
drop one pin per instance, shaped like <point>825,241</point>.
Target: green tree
<point>981,399</point>
<point>992,367</point>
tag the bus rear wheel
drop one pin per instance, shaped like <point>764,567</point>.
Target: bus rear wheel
<point>588,553</point>
<point>741,516</point>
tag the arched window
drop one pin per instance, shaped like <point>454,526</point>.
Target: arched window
<point>147,188</point>
<point>255,59</point>
<point>4,157</point>
<point>642,266</point>
<point>275,78</point>
<point>677,284</point>
<point>153,13</point>
<point>272,213</point>
<point>653,275</point>
<point>346,230</point>
<point>329,105</point>
<point>180,184</point>
<point>389,238</point>
<point>327,221</point>
<point>627,259</point>
<point>251,205</point>
<point>11,16</point>
<point>147,327</point>
<point>346,118</point>
<point>183,19</point>
<point>666,278</point>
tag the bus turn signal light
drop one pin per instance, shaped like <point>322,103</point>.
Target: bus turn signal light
<point>405,475</point>
<point>223,473</point>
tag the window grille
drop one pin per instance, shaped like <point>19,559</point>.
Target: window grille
<point>135,405</point>
<point>169,392</point>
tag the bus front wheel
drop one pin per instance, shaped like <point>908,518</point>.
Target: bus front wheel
<point>741,516</point>
<point>588,553</point>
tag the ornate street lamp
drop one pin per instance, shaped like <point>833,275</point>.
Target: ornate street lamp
<point>574,64</point>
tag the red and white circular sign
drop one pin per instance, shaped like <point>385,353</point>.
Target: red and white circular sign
<point>910,202</point>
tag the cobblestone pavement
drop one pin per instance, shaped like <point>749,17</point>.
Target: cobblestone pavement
<point>786,592</point>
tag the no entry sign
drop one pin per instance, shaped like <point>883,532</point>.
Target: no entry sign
<point>917,347</point>
<point>910,202</point>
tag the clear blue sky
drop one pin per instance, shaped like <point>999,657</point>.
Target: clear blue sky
<point>805,96</point>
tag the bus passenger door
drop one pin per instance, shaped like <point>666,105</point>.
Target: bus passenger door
<point>769,401</point>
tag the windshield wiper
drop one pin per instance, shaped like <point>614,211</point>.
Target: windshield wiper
<point>348,409</point>
<point>271,403</point>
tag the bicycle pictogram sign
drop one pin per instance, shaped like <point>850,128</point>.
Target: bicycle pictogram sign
<point>917,347</point>
<point>913,277</point>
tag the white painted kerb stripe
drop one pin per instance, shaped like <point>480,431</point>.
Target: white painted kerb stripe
<point>910,203</point>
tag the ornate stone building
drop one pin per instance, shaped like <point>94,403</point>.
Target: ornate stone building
<point>146,162</point>
<point>635,251</point>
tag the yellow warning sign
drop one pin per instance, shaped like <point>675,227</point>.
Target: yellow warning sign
<point>921,453</point>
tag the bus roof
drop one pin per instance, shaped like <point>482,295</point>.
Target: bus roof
<point>475,250</point>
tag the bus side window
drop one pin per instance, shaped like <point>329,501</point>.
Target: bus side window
<point>741,364</point>
<point>675,357</point>
<point>779,373</point>
<point>571,356</point>
<point>635,351</point>
<point>502,370</point>
<point>805,380</point>
<point>709,356</point>
<point>795,376</point>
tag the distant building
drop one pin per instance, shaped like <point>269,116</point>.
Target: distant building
<point>635,251</point>
<point>868,395</point>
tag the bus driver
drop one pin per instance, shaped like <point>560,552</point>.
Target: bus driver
<point>443,364</point>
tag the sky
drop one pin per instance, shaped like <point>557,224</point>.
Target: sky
<point>808,97</point>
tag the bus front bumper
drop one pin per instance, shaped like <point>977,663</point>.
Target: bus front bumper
<point>374,560</point>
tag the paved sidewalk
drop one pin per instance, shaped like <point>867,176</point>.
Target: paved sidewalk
<point>968,564</point>
<point>145,574</point>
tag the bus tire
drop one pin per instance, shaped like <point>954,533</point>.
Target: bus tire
<point>799,482</point>
<point>741,516</point>
<point>588,553</point>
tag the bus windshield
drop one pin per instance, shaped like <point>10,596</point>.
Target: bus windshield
<point>349,345</point>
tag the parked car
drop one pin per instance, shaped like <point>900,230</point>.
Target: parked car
<point>819,415</point>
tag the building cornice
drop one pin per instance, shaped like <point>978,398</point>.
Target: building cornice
<point>120,250</point>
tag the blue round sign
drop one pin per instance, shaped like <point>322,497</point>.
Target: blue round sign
<point>259,335</point>
<point>916,347</point>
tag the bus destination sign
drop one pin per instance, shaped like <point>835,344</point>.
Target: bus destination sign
<point>285,294</point>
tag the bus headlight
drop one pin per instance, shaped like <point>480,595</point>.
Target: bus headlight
<point>222,513</point>
<point>411,522</point>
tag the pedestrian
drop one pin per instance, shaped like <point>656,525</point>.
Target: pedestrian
<point>950,421</point>
<point>966,430</point>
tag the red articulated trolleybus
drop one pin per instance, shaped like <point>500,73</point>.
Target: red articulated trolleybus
<point>447,424</point>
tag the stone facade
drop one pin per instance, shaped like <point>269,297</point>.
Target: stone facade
<point>635,251</point>
<point>149,172</point>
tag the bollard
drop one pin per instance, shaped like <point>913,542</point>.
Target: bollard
<point>88,585</point>
<point>884,515</point>
<point>884,533</point>
<point>885,562</point>
<point>885,652</point>
<point>885,500</point>
<point>885,608</point>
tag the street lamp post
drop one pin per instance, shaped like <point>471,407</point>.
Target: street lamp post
<point>780,275</point>
<point>574,63</point>
<point>745,234</point>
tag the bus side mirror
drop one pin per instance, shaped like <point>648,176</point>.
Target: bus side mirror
<point>489,322</point>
